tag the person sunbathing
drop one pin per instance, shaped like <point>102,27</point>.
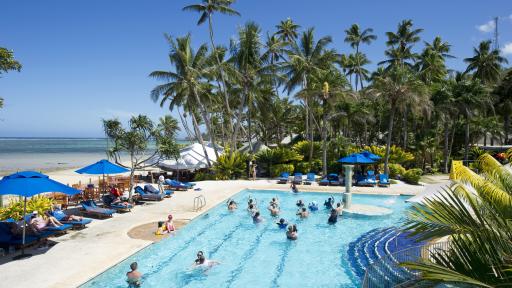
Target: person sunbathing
<point>38,224</point>
<point>58,213</point>
<point>169,225</point>
<point>133,276</point>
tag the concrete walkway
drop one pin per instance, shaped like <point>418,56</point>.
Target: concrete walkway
<point>81,255</point>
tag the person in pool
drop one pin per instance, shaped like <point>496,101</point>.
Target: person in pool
<point>252,201</point>
<point>282,223</point>
<point>274,210</point>
<point>294,188</point>
<point>232,205</point>
<point>300,203</point>
<point>256,218</point>
<point>252,209</point>
<point>313,206</point>
<point>339,209</point>
<point>303,213</point>
<point>333,217</point>
<point>275,201</point>
<point>328,203</point>
<point>292,233</point>
<point>202,262</point>
<point>133,276</point>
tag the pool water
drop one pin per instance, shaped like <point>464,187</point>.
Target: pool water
<point>258,255</point>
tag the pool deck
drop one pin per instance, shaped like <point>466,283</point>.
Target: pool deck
<point>81,255</point>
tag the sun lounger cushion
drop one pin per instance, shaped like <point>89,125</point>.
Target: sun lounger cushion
<point>90,206</point>
<point>151,189</point>
<point>64,227</point>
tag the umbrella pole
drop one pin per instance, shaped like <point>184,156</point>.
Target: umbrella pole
<point>23,255</point>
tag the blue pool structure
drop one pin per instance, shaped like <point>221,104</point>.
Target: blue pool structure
<point>259,255</point>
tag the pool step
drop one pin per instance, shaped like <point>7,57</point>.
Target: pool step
<point>375,244</point>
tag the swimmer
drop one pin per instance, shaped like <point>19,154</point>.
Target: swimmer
<point>291,233</point>
<point>328,203</point>
<point>133,277</point>
<point>282,223</point>
<point>232,206</point>
<point>256,218</point>
<point>294,188</point>
<point>333,217</point>
<point>252,201</point>
<point>274,210</point>
<point>252,209</point>
<point>300,203</point>
<point>275,201</point>
<point>339,209</point>
<point>202,262</point>
<point>313,206</point>
<point>303,213</point>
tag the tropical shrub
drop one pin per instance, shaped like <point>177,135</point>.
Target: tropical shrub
<point>14,210</point>
<point>230,166</point>
<point>202,176</point>
<point>280,168</point>
<point>303,147</point>
<point>397,155</point>
<point>412,176</point>
<point>475,213</point>
<point>306,167</point>
<point>270,157</point>
<point>396,170</point>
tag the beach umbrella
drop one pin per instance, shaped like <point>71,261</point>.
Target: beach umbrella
<point>28,184</point>
<point>370,155</point>
<point>102,167</point>
<point>356,158</point>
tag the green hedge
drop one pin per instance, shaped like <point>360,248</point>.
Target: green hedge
<point>395,170</point>
<point>280,168</point>
<point>412,176</point>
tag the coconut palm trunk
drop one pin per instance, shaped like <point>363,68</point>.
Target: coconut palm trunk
<point>207,122</point>
<point>466,139</point>
<point>446,155</point>
<point>506,128</point>
<point>390,135</point>
<point>239,117</point>
<point>200,138</point>
<point>324,140</point>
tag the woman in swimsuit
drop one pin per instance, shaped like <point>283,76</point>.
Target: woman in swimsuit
<point>169,225</point>
<point>232,205</point>
<point>292,233</point>
<point>133,276</point>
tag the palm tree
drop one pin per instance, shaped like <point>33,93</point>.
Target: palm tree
<point>287,30</point>
<point>355,36</point>
<point>7,63</point>
<point>431,66</point>
<point>356,63</point>
<point>485,63</point>
<point>400,44</point>
<point>306,58</point>
<point>503,92</point>
<point>247,61</point>
<point>469,97</point>
<point>206,9</point>
<point>401,89</point>
<point>475,214</point>
<point>185,85</point>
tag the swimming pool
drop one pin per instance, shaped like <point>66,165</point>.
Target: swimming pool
<point>258,255</point>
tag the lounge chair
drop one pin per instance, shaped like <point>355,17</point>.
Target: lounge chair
<point>310,178</point>
<point>384,180</point>
<point>283,178</point>
<point>297,178</point>
<point>8,239</point>
<point>107,201</point>
<point>56,230</point>
<point>167,193</point>
<point>60,215</point>
<point>177,185</point>
<point>148,196</point>
<point>369,180</point>
<point>330,180</point>
<point>90,208</point>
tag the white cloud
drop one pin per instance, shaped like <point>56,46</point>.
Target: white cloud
<point>507,48</point>
<point>487,27</point>
<point>510,16</point>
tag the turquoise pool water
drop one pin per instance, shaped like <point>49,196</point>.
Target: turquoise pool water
<point>257,255</point>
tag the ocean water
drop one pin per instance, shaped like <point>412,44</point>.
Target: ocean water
<point>257,255</point>
<point>47,154</point>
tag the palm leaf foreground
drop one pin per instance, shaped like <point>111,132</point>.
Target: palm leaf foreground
<point>474,215</point>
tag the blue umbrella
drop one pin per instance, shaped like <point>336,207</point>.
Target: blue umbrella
<point>28,184</point>
<point>370,155</point>
<point>356,158</point>
<point>102,167</point>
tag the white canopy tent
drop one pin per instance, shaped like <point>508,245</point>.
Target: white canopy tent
<point>191,158</point>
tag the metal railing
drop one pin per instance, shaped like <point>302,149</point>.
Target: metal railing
<point>199,202</point>
<point>387,272</point>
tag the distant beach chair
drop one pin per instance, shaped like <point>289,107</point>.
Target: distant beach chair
<point>384,180</point>
<point>177,185</point>
<point>54,229</point>
<point>148,196</point>
<point>9,239</point>
<point>369,180</point>
<point>92,209</point>
<point>283,178</point>
<point>107,201</point>
<point>166,192</point>
<point>310,178</point>
<point>297,178</point>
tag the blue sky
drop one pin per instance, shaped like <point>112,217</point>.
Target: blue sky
<point>88,60</point>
